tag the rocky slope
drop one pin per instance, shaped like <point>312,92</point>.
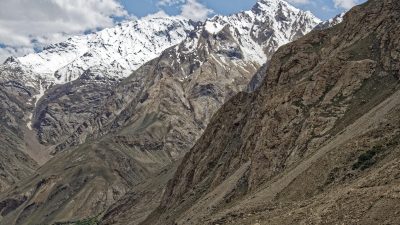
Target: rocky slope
<point>317,143</point>
<point>109,136</point>
<point>15,163</point>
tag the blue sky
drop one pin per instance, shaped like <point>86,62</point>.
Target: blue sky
<point>324,9</point>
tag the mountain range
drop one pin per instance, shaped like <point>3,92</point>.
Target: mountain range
<point>163,120</point>
<point>101,114</point>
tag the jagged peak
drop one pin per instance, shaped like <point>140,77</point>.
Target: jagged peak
<point>271,2</point>
<point>272,7</point>
<point>11,60</point>
<point>267,5</point>
<point>284,23</point>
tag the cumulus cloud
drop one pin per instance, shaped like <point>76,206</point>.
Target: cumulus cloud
<point>195,11</point>
<point>190,9</point>
<point>8,51</point>
<point>169,2</point>
<point>27,24</point>
<point>299,1</point>
<point>159,14</point>
<point>345,4</point>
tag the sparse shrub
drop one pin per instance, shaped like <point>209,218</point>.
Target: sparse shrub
<point>367,159</point>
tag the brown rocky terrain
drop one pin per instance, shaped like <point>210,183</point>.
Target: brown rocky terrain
<point>117,143</point>
<point>317,143</point>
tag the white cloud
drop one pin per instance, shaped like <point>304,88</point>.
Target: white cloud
<point>27,24</point>
<point>159,14</point>
<point>299,1</point>
<point>195,11</point>
<point>169,2</point>
<point>190,9</point>
<point>345,4</point>
<point>7,52</point>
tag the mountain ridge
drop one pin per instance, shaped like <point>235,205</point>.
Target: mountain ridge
<point>320,131</point>
<point>116,52</point>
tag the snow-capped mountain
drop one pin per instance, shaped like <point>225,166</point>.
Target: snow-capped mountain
<point>115,52</point>
<point>246,39</point>
<point>269,25</point>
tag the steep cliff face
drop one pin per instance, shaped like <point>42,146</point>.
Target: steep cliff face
<point>322,127</point>
<point>20,151</point>
<point>15,163</point>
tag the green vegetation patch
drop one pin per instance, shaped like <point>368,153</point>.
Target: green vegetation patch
<point>367,159</point>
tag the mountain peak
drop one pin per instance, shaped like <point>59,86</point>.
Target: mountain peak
<point>272,4</point>
<point>10,60</point>
<point>279,6</point>
<point>283,23</point>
